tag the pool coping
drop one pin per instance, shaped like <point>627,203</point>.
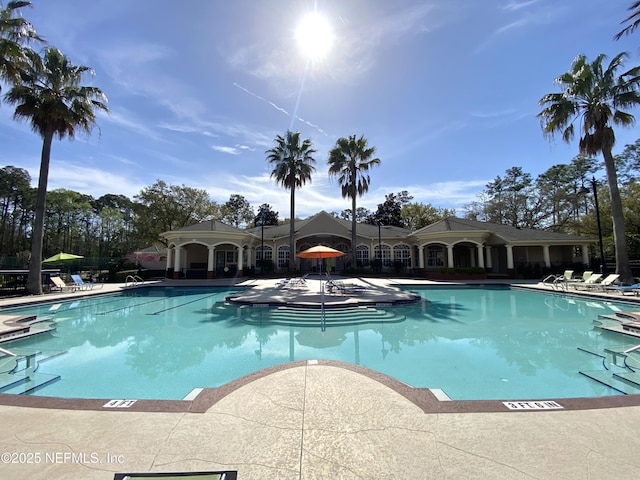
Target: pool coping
<point>424,398</point>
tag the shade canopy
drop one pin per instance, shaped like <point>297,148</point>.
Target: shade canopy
<point>320,251</point>
<point>62,257</point>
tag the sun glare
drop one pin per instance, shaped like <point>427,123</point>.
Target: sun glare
<point>314,36</point>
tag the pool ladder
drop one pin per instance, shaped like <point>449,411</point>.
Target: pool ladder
<point>556,282</point>
<point>133,281</point>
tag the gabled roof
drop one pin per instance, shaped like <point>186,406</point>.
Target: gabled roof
<point>506,232</point>
<point>208,226</point>
<point>344,226</point>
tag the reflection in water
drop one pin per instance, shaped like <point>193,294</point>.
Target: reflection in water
<point>471,342</point>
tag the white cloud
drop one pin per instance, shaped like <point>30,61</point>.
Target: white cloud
<point>223,149</point>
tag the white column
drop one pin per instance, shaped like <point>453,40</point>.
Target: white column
<point>509,257</point>
<point>585,254</point>
<point>450,256</point>
<point>480,256</point>
<point>421,257</point>
<point>210,257</point>
<point>176,261</point>
<point>547,257</point>
<point>239,259</point>
<point>169,258</point>
<point>489,260</point>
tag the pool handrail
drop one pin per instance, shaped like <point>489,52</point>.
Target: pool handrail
<point>134,279</point>
<point>7,352</point>
<point>632,349</point>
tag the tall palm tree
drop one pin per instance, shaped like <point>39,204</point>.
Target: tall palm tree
<point>634,18</point>
<point>292,167</point>
<point>350,161</point>
<point>597,98</point>
<point>15,33</point>
<point>51,98</point>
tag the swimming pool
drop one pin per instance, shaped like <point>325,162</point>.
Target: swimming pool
<point>471,342</point>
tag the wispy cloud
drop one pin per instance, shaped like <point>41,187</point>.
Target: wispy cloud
<point>224,149</point>
<point>454,194</point>
<point>91,181</point>
<point>528,17</point>
<point>129,121</point>
<point>514,6</point>
<point>492,119</point>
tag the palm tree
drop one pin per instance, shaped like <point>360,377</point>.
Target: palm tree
<point>292,167</point>
<point>596,97</point>
<point>634,18</point>
<point>350,161</point>
<point>15,32</point>
<point>51,98</point>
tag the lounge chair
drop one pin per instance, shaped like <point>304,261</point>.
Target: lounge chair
<point>607,282</point>
<point>338,286</point>
<point>78,282</point>
<point>300,281</point>
<point>588,283</point>
<point>567,275</point>
<point>585,276</point>
<point>633,289</point>
<point>82,285</point>
<point>59,285</point>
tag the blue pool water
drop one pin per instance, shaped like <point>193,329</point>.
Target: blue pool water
<point>471,342</point>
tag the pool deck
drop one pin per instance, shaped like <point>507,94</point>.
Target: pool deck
<point>318,420</point>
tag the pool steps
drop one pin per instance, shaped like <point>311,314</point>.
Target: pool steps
<point>313,317</point>
<point>19,375</point>
<point>621,363</point>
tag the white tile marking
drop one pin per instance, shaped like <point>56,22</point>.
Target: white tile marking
<point>535,405</point>
<point>119,403</point>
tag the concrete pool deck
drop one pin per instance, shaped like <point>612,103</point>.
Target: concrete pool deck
<point>322,420</point>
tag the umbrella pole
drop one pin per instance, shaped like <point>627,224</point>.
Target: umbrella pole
<point>323,324</point>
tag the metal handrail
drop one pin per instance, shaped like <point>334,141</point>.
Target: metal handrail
<point>134,279</point>
<point>632,349</point>
<point>7,352</point>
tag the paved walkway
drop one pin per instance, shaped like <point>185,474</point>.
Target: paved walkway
<point>319,421</point>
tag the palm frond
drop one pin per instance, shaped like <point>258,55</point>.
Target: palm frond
<point>634,18</point>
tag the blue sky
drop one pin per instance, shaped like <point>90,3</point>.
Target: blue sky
<point>446,90</point>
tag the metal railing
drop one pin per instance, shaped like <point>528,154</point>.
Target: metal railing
<point>133,281</point>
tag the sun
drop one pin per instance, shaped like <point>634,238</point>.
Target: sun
<point>314,36</point>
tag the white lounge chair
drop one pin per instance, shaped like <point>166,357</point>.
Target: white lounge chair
<point>588,283</point>
<point>59,285</point>
<point>606,282</point>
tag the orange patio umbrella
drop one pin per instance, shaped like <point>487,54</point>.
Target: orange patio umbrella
<point>320,251</point>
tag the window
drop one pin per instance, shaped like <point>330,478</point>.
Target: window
<point>283,256</point>
<point>386,254</point>
<point>268,254</point>
<point>435,256</point>
<point>362,255</point>
<point>402,253</point>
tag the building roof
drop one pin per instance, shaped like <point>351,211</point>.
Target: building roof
<point>208,226</point>
<point>507,232</point>
<point>363,229</point>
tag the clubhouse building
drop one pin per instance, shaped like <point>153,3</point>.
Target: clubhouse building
<point>213,249</point>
